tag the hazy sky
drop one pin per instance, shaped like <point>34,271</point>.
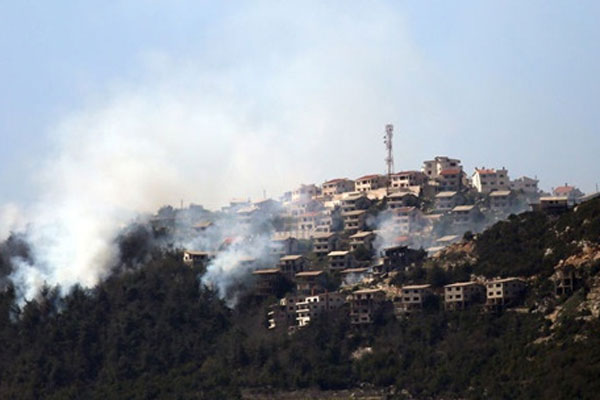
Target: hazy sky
<point>246,96</point>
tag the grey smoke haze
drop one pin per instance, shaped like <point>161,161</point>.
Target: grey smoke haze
<point>190,130</point>
<point>270,96</point>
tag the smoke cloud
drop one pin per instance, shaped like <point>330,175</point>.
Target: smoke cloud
<point>234,120</point>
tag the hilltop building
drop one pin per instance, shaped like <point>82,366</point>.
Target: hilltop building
<point>338,186</point>
<point>433,168</point>
<point>486,180</point>
<point>370,182</point>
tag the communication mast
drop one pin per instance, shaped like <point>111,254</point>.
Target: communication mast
<point>389,159</point>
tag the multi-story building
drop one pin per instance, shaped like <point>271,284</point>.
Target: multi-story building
<point>354,202</point>
<point>564,280</point>
<point>446,201</point>
<point>364,239</point>
<point>339,260</point>
<point>197,258</point>
<point>402,199</point>
<point>406,179</point>
<point>292,264</point>
<point>551,205</point>
<point>324,243</point>
<point>570,192</point>
<point>458,296</point>
<point>502,200</point>
<point>267,280</point>
<point>486,180</point>
<point>450,179</point>
<point>407,220</point>
<point>370,182</point>
<point>525,185</point>
<point>306,192</point>
<point>465,215</point>
<point>354,221</point>
<point>365,304</point>
<point>312,306</point>
<point>434,167</point>
<point>310,282</point>
<point>504,292</point>
<point>282,315</point>
<point>412,298</point>
<point>283,246</point>
<point>337,186</point>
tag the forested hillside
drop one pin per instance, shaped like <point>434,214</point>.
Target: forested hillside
<point>151,331</point>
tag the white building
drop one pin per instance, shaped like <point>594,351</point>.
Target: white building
<point>525,184</point>
<point>570,192</point>
<point>306,192</point>
<point>412,298</point>
<point>434,167</point>
<point>504,292</point>
<point>312,306</point>
<point>460,295</point>
<point>486,180</point>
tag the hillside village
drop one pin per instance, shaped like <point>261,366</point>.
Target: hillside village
<point>346,241</point>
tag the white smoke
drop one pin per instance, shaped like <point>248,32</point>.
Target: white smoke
<point>11,219</point>
<point>267,118</point>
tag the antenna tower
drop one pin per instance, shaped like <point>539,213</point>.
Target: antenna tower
<point>389,159</point>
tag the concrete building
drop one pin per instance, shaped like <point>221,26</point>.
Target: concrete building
<point>525,185</point>
<point>267,280</point>
<point>450,179</point>
<point>324,243</point>
<point>339,260</point>
<point>313,306</point>
<point>354,221</point>
<point>502,200</point>
<point>402,199</point>
<point>337,186</point>
<point>309,221</point>
<point>446,201</point>
<point>434,167</point>
<point>458,296</point>
<point>197,258</point>
<point>283,246</point>
<point>486,180</point>
<point>396,258</point>
<point>501,293</point>
<point>407,220</point>
<point>564,280</point>
<point>570,192</point>
<point>364,239</point>
<point>355,201</point>
<point>310,282</point>
<point>412,298</point>
<point>370,182</point>
<point>551,205</point>
<point>282,315</point>
<point>465,215</point>
<point>306,192</point>
<point>406,179</point>
<point>365,305</point>
<point>292,264</point>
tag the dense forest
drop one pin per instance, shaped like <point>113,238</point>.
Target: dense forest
<point>150,330</point>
